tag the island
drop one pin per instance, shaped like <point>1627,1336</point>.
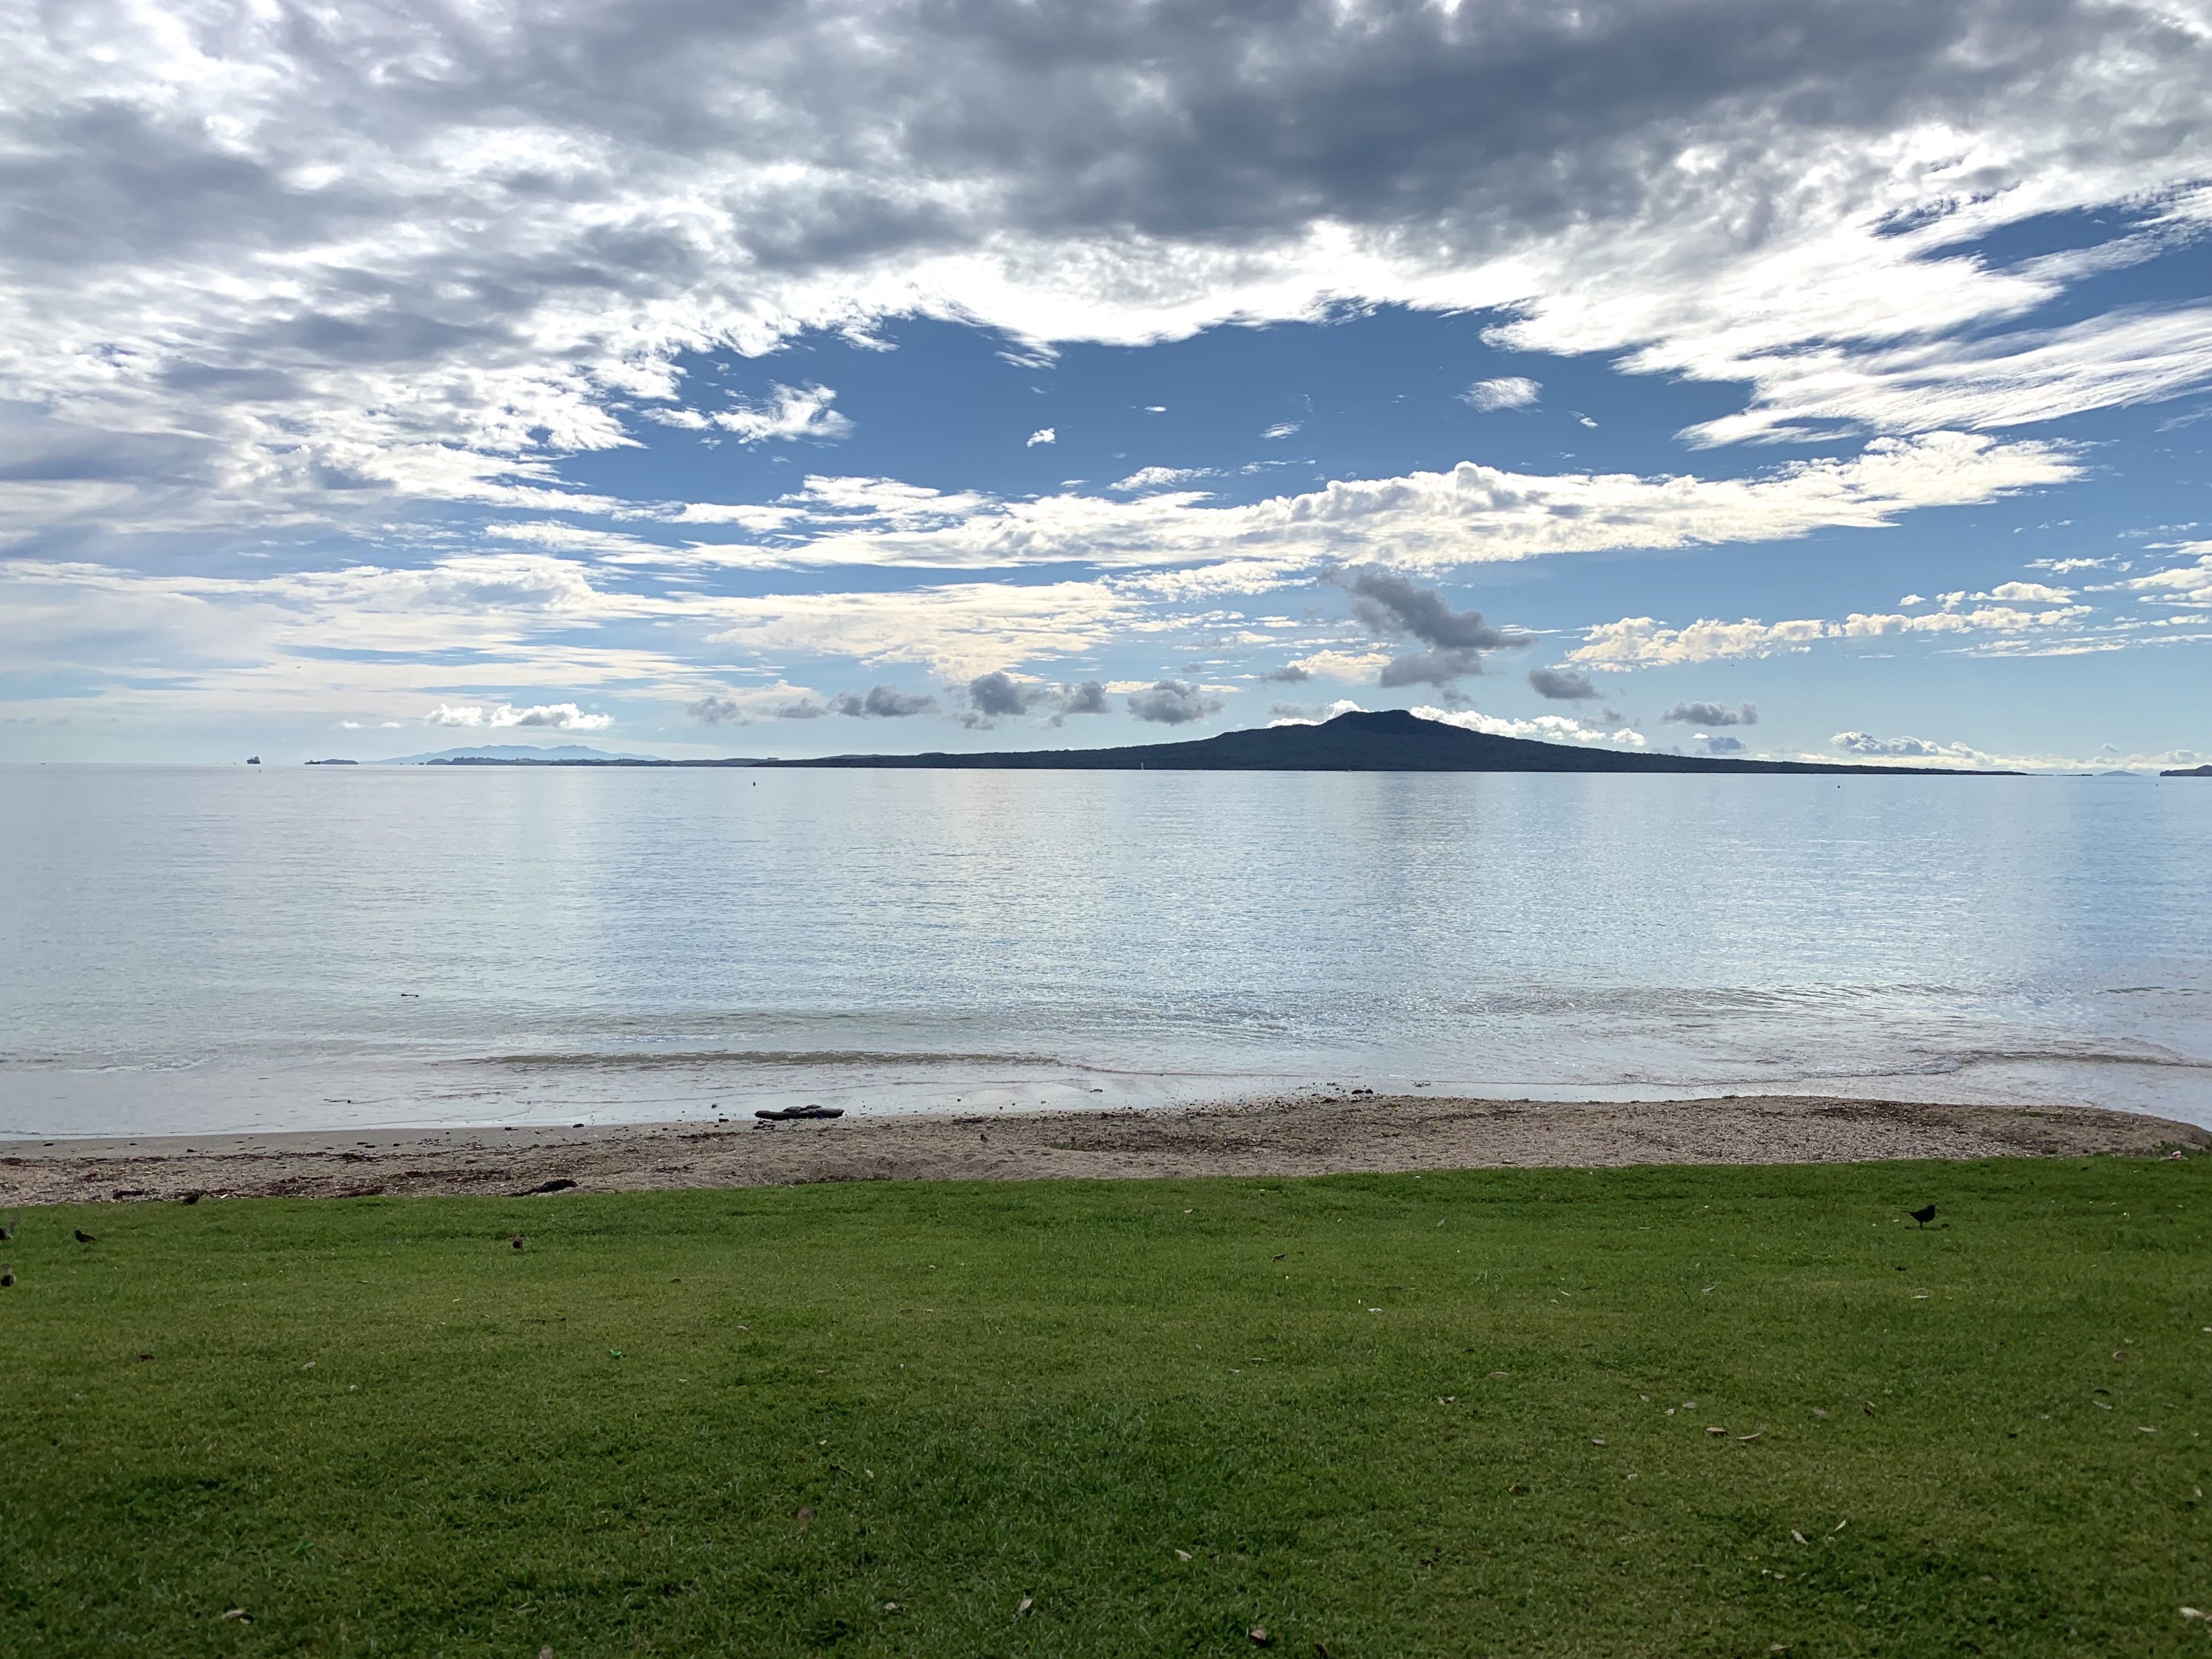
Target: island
<point>2189,771</point>
<point>1387,740</point>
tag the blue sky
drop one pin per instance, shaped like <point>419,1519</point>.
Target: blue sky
<point>1809,386</point>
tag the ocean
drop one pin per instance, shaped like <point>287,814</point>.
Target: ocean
<point>198,950</point>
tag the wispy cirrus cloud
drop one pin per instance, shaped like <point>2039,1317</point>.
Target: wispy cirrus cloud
<point>1429,521</point>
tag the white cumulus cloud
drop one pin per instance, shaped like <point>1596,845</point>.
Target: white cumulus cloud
<point>552,716</point>
<point>1508,391</point>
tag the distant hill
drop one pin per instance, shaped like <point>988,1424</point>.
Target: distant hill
<point>522,752</point>
<point>2189,771</point>
<point>1390,740</point>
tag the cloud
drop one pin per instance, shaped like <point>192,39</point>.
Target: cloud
<point>1563,684</point>
<point>293,274</point>
<point>1391,605</point>
<point>716,709</point>
<point>1643,642</point>
<point>996,694</point>
<point>553,716</point>
<point>2010,380</point>
<point>1719,744</point>
<point>1419,521</point>
<point>2187,584</point>
<point>958,630</point>
<point>1509,392</point>
<point>1283,429</point>
<point>788,414</point>
<point>1044,435</point>
<point>989,698</point>
<point>1866,744</point>
<point>1172,702</point>
<point>1298,713</point>
<point>1542,728</point>
<point>1290,673</point>
<point>742,706</point>
<point>1710,713</point>
<point>1145,479</point>
<point>882,703</point>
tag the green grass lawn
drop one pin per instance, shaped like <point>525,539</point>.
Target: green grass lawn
<point>1375,1415</point>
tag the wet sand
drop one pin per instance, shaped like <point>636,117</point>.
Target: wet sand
<point>1301,1135</point>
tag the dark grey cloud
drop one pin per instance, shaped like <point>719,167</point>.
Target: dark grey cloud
<point>882,703</point>
<point>714,709</point>
<point>1718,744</point>
<point>1395,606</point>
<point>990,698</point>
<point>999,693</point>
<point>1289,674</point>
<point>1088,698</point>
<point>1563,684</point>
<point>1172,702</point>
<point>1710,713</point>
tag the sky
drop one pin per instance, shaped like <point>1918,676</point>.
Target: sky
<point>1826,379</point>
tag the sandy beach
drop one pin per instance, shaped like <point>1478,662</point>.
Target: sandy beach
<point>1303,1135</point>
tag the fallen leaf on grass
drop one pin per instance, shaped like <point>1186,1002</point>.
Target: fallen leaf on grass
<point>1721,1433</point>
<point>1182,1555</point>
<point>238,1614</point>
<point>806,1519</point>
<point>1518,1489</point>
<point>545,1652</point>
<point>1841,1524</point>
<point>2186,1613</point>
<point>1799,1536</point>
<point>1027,1603</point>
<point>1818,1413</point>
<point>1754,1435</point>
<point>1259,1636</point>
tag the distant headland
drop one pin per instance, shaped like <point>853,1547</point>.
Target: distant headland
<point>2189,771</point>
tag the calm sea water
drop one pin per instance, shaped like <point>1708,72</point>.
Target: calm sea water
<point>193,950</point>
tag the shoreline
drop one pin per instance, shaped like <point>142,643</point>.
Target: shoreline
<point>1280,1136</point>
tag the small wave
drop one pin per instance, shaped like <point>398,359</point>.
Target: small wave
<point>2079,1057</point>
<point>630,1060</point>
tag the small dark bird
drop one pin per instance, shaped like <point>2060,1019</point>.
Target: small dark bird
<point>84,1238</point>
<point>192,1197</point>
<point>6,1278</point>
<point>516,1240</point>
<point>1923,1215</point>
